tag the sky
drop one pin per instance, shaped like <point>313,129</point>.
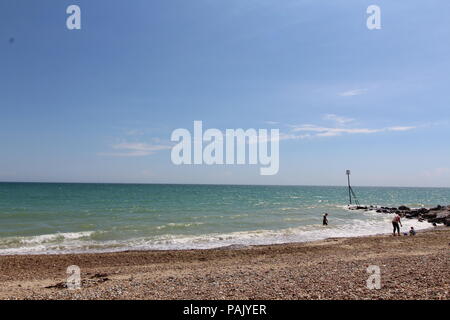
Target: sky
<point>99,104</point>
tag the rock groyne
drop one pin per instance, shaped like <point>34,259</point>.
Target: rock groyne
<point>436,215</point>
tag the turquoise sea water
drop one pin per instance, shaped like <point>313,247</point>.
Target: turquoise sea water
<point>56,218</point>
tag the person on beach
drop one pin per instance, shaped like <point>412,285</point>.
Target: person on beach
<point>325,219</point>
<point>412,232</point>
<point>397,223</point>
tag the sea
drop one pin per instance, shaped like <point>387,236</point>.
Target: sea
<point>52,218</point>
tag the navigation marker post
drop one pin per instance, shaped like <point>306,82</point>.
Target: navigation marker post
<point>349,187</point>
<point>350,190</point>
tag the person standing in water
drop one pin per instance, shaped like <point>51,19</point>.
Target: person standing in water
<point>397,223</point>
<point>325,219</point>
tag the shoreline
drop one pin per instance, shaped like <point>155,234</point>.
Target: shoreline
<point>104,251</point>
<point>412,267</point>
<point>224,247</point>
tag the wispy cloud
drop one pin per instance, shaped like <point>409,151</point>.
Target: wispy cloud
<point>135,149</point>
<point>405,128</point>
<point>342,125</point>
<point>340,120</point>
<point>354,92</point>
<point>283,136</point>
<point>335,131</point>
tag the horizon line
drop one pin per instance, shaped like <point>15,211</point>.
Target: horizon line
<point>226,184</point>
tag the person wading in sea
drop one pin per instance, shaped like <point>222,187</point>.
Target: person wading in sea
<point>396,222</point>
<point>325,219</point>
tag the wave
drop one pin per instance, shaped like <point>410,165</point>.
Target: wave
<point>179,225</point>
<point>88,241</point>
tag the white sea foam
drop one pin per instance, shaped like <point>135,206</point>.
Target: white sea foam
<point>56,236</point>
<point>78,242</point>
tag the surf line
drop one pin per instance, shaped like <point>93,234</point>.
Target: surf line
<point>233,151</point>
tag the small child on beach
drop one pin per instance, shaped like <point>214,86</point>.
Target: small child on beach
<point>412,232</point>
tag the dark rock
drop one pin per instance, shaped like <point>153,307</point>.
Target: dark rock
<point>434,221</point>
<point>441,217</point>
<point>413,213</point>
<point>447,221</point>
<point>436,215</point>
<point>423,210</point>
<point>429,215</point>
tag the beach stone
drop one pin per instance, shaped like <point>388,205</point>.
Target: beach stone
<point>404,208</point>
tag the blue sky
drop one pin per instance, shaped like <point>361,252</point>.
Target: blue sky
<point>99,104</point>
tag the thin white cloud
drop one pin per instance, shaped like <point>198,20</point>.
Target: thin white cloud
<point>340,120</point>
<point>299,132</point>
<point>285,136</point>
<point>354,92</point>
<point>334,131</point>
<point>342,126</point>
<point>135,149</point>
<point>400,128</point>
<point>328,134</point>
